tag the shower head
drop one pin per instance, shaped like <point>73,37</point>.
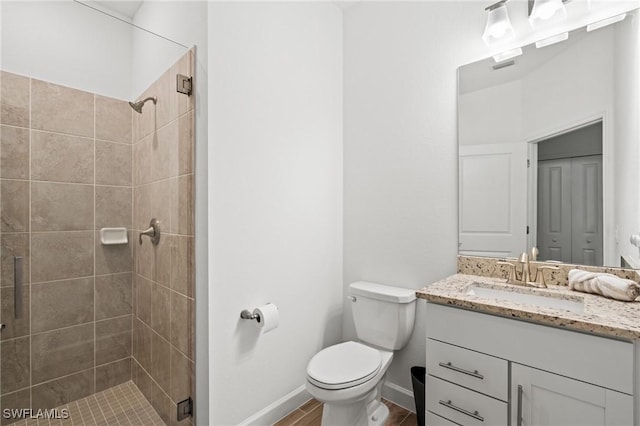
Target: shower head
<point>137,106</point>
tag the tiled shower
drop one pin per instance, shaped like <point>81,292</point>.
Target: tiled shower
<point>93,315</point>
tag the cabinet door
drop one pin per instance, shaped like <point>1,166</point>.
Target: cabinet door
<point>546,399</point>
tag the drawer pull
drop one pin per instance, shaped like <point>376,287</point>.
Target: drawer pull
<point>473,373</point>
<point>473,414</point>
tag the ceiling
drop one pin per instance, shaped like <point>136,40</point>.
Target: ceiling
<point>127,8</point>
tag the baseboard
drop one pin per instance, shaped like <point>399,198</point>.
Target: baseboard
<point>278,409</point>
<point>399,396</point>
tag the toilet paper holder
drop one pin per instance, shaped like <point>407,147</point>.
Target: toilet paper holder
<point>248,315</point>
<point>266,316</point>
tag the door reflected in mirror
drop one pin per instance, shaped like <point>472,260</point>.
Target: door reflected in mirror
<point>548,147</point>
<point>569,196</point>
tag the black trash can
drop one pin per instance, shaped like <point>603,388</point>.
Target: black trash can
<point>417,379</point>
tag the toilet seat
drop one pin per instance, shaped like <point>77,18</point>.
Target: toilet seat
<point>344,365</point>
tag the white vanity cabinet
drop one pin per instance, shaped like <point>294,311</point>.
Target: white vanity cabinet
<point>488,370</point>
<point>543,398</point>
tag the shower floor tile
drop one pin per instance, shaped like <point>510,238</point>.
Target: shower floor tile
<point>122,405</point>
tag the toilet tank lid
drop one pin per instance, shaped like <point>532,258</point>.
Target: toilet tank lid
<point>383,292</point>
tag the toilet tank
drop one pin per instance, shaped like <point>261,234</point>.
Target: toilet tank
<point>383,315</point>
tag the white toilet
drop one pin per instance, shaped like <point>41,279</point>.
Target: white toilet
<point>348,377</point>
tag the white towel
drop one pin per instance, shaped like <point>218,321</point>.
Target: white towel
<point>606,285</point>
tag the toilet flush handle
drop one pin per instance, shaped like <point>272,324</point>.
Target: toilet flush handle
<point>352,298</point>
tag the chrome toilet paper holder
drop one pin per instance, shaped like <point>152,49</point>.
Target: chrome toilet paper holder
<point>266,317</point>
<point>248,315</point>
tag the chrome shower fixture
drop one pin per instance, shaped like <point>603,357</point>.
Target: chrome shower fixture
<point>137,106</point>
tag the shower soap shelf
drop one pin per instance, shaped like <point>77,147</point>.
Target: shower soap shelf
<point>113,236</point>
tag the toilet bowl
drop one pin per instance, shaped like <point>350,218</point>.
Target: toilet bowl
<point>348,377</point>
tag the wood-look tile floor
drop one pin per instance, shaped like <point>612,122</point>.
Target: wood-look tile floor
<point>310,414</point>
<point>122,405</point>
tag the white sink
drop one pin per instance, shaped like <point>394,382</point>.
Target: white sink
<point>528,298</point>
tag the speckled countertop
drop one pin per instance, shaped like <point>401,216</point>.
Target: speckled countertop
<point>601,316</point>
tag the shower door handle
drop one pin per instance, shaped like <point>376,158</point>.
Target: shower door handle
<point>18,271</point>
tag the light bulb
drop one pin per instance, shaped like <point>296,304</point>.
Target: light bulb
<point>498,27</point>
<point>544,10</point>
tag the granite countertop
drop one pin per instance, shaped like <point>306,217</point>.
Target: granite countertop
<point>601,316</point>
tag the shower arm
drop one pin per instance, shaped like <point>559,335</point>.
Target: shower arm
<point>137,106</point>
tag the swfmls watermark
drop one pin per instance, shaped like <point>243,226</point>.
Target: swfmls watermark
<point>28,413</point>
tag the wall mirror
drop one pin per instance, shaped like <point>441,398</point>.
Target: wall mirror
<point>549,150</point>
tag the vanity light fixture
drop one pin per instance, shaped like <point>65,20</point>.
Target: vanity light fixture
<point>507,55</point>
<point>498,27</point>
<point>552,40</point>
<point>605,22</point>
<point>543,10</point>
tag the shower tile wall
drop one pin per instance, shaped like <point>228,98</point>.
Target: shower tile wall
<point>163,165</point>
<point>65,172</point>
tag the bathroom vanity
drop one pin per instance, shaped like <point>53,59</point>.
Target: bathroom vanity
<point>499,354</point>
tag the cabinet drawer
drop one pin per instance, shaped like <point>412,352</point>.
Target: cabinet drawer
<point>434,420</point>
<point>464,406</point>
<point>480,372</point>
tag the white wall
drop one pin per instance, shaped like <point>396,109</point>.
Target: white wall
<point>182,22</point>
<point>275,192</point>
<point>189,30</point>
<point>401,146</point>
<point>67,43</point>
<point>401,187</point>
<point>74,45</point>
